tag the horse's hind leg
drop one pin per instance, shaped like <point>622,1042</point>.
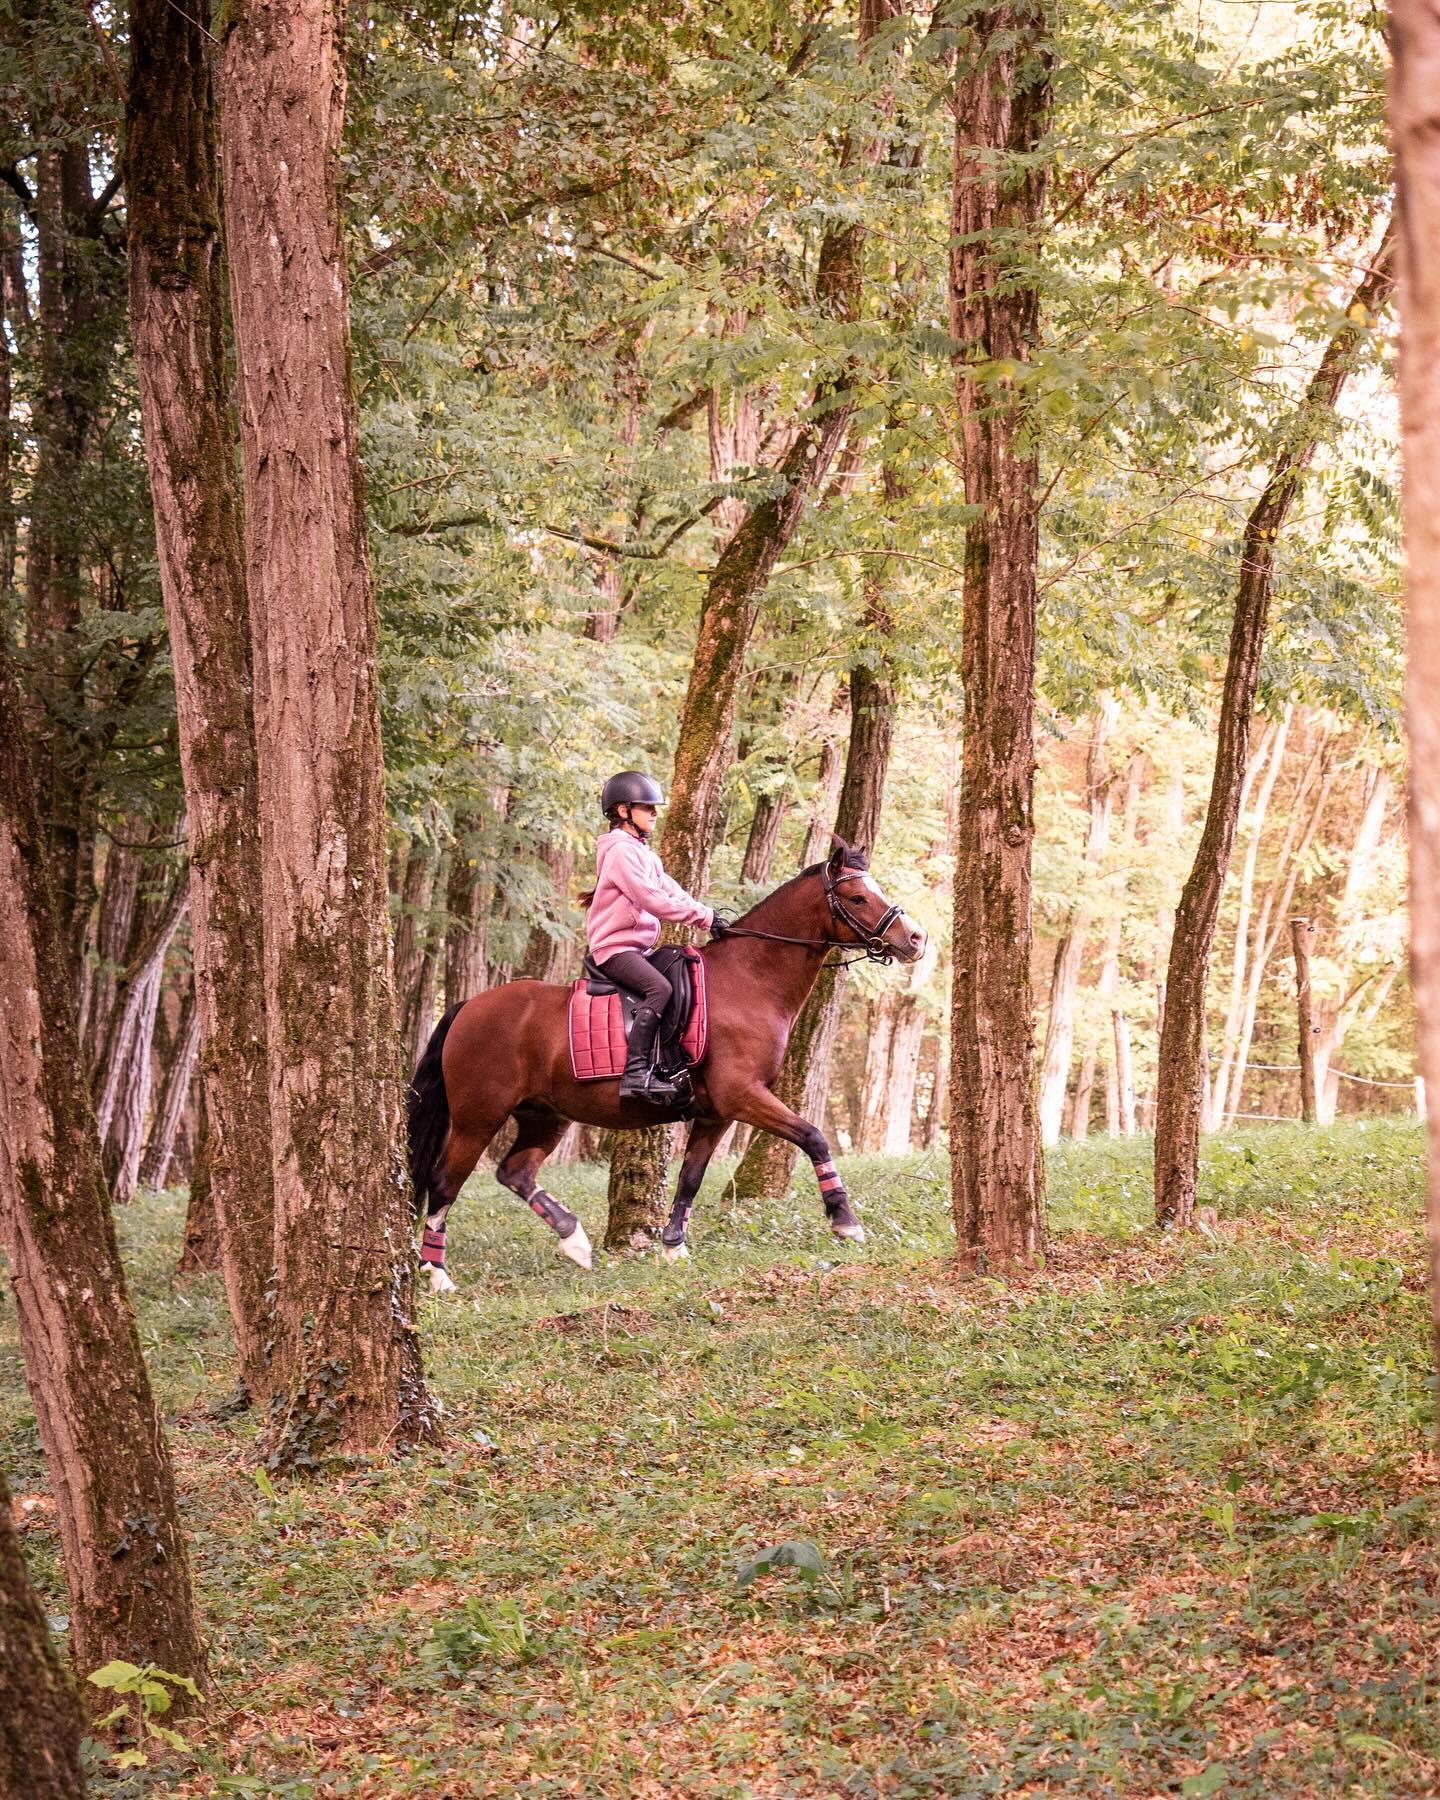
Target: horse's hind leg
<point>705,1135</point>
<point>540,1130</point>
<point>463,1150</point>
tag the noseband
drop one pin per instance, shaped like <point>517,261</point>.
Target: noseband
<point>872,945</point>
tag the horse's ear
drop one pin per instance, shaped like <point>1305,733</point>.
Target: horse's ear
<point>860,857</point>
<point>840,854</point>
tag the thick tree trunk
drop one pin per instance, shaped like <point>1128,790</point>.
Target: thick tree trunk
<point>40,1722</point>
<point>347,1357</point>
<point>1070,950</point>
<point>177,317</point>
<point>1180,1070</point>
<point>125,1557</point>
<point>179,1074</point>
<point>1001,105</point>
<point>1415,132</point>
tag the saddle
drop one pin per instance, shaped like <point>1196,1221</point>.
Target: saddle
<point>601,1014</point>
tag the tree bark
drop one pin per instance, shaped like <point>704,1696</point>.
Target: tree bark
<point>201,1250</point>
<point>904,1076</point>
<point>1302,937</point>
<point>1336,1014</point>
<point>468,896</point>
<point>1415,134</point>
<point>1070,950</point>
<point>1269,757</point>
<point>347,1358</point>
<point>875,1087</point>
<point>177,318</point>
<point>121,1148</point>
<point>40,1721</point>
<point>171,1109</point>
<point>125,1557</point>
<point>1124,1078</point>
<point>1001,105</point>
<point>1180,1069</point>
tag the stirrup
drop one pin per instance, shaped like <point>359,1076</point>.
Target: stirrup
<point>646,1083</point>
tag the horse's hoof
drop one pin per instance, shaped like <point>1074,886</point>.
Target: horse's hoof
<point>440,1282</point>
<point>577,1247</point>
<point>674,1253</point>
<point>854,1232</point>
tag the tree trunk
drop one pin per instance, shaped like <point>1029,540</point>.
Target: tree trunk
<point>1070,950</point>
<point>133,1019</point>
<point>1124,1078</point>
<point>548,957</point>
<point>1180,1068</point>
<point>168,1114</point>
<point>1415,134</point>
<point>412,928</point>
<point>1302,936</point>
<point>468,896</point>
<point>769,815</point>
<point>121,1148</point>
<point>112,950</point>
<point>201,1250</point>
<point>177,317</point>
<point>40,1721</point>
<point>824,797</point>
<point>125,1557</point>
<point>1276,905</point>
<point>904,1076</point>
<point>1001,105</point>
<point>347,1357</point>
<point>1336,1015</point>
<point>1272,744</point>
<point>875,1089</point>
<point>420,1011</point>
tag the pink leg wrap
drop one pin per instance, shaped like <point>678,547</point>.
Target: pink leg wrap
<point>432,1248</point>
<point>830,1182</point>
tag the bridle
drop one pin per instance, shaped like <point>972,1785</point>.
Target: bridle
<point>872,946</point>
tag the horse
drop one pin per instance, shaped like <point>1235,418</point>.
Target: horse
<point>505,1054</point>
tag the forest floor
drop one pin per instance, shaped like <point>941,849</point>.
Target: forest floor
<point>1159,1518</point>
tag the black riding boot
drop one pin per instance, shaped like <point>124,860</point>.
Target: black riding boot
<point>640,1080</point>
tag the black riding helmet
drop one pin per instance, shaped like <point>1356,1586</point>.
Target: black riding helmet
<point>630,788</point>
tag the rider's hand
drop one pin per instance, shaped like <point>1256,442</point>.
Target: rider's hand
<point>719,925</point>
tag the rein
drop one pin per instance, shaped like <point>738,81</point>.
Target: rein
<point>872,945</point>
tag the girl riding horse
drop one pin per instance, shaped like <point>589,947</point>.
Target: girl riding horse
<point>505,1054</point>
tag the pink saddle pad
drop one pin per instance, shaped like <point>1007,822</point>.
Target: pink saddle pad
<point>597,1028</point>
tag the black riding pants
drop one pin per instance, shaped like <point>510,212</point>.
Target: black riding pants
<point>631,970</point>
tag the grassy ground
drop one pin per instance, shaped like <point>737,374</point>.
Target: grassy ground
<point>1159,1519</point>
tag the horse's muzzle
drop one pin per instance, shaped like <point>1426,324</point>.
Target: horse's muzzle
<point>907,939</point>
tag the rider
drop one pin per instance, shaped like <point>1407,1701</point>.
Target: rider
<point>632,894</point>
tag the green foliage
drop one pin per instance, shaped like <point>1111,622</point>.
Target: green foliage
<point>149,1688</point>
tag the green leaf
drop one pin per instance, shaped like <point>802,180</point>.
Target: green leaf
<point>131,1759</point>
<point>121,1675</point>
<point>1210,1780</point>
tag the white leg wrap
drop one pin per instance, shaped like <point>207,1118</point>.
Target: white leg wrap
<point>577,1247</point>
<point>440,1282</point>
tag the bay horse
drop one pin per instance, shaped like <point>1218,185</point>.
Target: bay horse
<point>505,1054</point>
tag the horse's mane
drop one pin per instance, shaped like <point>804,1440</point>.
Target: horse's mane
<point>852,857</point>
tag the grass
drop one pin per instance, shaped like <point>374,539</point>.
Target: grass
<point>1158,1519</point>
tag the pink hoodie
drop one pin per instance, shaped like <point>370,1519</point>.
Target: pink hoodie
<point>632,895</point>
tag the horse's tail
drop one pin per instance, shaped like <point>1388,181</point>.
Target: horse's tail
<point>428,1111</point>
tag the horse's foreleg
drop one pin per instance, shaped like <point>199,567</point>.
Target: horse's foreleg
<point>540,1130</point>
<point>760,1108</point>
<point>705,1135</point>
<point>462,1151</point>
